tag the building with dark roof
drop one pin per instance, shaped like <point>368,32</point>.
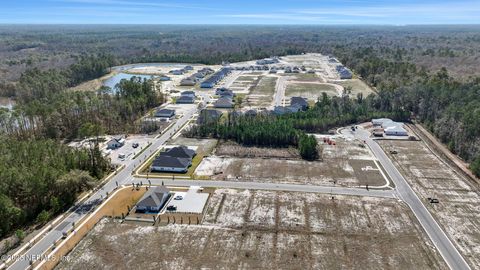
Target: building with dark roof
<point>208,116</point>
<point>179,152</point>
<point>153,200</point>
<point>187,82</point>
<point>300,102</point>
<point>165,113</point>
<point>177,159</point>
<point>224,92</point>
<point>223,102</point>
<point>170,164</point>
<point>185,100</point>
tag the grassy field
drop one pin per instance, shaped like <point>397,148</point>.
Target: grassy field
<point>358,86</point>
<point>310,90</point>
<point>244,229</point>
<point>266,86</point>
<point>246,78</point>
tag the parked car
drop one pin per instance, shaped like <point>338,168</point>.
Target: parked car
<point>178,197</point>
<point>135,145</point>
<point>172,208</point>
<point>121,156</point>
<point>433,200</point>
<point>393,152</point>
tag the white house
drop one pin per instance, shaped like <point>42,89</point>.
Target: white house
<point>115,143</point>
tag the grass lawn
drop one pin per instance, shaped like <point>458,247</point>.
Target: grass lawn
<point>310,90</point>
<point>357,86</point>
<point>266,86</point>
<point>246,78</point>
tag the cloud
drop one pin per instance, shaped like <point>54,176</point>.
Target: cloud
<point>133,3</point>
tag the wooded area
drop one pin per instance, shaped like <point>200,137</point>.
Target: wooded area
<point>41,176</point>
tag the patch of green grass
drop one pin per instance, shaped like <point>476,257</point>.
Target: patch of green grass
<point>357,86</point>
<point>310,90</point>
<point>266,86</point>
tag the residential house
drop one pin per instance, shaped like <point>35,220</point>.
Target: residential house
<point>176,159</point>
<point>208,116</point>
<point>185,100</point>
<point>223,102</point>
<point>153,200</point>
<point>115,143</point>
<point>165,113</point>
<point>187,82</point>
<point>224,92</point>
<point>301,102</point>
<point>164,78</point>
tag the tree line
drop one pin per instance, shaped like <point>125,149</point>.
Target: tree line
<point>269,130</point>
<point>448,107</point>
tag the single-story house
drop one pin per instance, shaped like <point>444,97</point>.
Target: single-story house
<point>176,159</point>
<point>188,68</point>
<point>396,130</point>
<point>170,164</point>
<point>153,200</point>
<point>223,102</point>
<point>224,92</point>
<point>176,72</point>
<point>165,113</point>
<point>164,78</point>
<point>208,116</point>
<point>180,152</point>
<point>207,84</point>
<point>187,82</point>
<point>188,94</point>
<point>115,143</point>
<point>299,101</point>
<point>185,100</point>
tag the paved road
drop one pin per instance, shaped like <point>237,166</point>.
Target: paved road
<point>280,87</point>
<point>441,241</point>
<point>269,186</point>
<point>121,178</point>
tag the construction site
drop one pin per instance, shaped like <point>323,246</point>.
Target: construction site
<point>268,230</point>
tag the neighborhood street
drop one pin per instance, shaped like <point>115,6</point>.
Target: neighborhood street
<point>441,241</point>
<point>96,198</point>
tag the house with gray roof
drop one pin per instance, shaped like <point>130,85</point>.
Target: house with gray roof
<point>300,102</point>
<point>177,159</point>
<point>223,102</point>
<point>165,113</point>
<point>208,116</point>
<point>153,200</point>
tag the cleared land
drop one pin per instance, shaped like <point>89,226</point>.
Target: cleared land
<point>267,230</point>
<point>346,164</point>
<point>458,211</point>
<point>261,92</point>
<point>310,90</point>
<point>357,86</point>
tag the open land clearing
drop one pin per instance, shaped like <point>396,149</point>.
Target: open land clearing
<point>348,163</point>
<point>312,90</point>
<point>261,94</point>
<point>458,209</point>
<point>267,230</point>
<point>357,86</point>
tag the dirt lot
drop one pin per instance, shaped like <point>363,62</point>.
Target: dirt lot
<point>267,230</point>
<point>458,211</point>
<point>345,164</point>
<point>233,149</point>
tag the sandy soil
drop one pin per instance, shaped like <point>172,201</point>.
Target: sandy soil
<point>267,230</point>
<point>458,211</point>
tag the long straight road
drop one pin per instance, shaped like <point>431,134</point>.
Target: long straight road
<point>81,211</point>
<point>441,241</point>
<point>269,186</point>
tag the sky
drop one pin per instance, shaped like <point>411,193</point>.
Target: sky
<point>321,12</point>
